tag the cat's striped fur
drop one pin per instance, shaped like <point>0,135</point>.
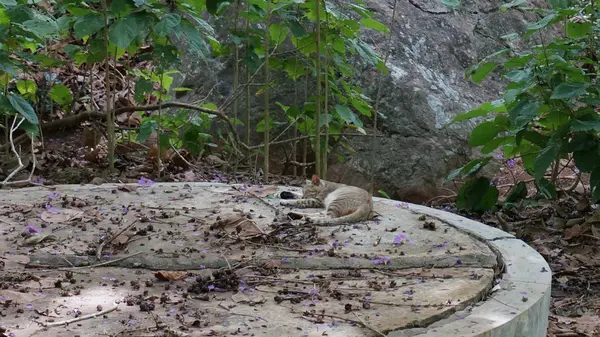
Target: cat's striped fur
<point>342,203</point>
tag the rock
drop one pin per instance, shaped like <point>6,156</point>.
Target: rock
<point>431,48</point>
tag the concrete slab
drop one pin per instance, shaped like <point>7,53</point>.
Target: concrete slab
<point>412,267</point>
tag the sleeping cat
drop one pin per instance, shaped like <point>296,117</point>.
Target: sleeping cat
<point>342,203</point>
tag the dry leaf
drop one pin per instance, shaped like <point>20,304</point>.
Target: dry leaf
<point>170,275</point>
<point>238,225</point>
<point>54,215</point>
<point>262,191</point>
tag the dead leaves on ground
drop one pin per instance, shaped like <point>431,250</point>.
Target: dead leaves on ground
<point>238,225</point>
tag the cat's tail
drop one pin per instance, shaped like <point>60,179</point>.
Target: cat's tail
<point>362,213</point>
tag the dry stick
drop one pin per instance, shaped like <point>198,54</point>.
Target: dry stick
<point>367,326</point>
<point>81,318</point>
<point>13,128</point>
<point>108,262</point>
<point>101,246</point>
<point>377,96</point>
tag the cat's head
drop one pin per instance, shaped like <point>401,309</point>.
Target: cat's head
<point>312,187</point>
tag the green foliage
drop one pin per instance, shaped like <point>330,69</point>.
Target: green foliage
<point>26,30</point>
<point>548,109</point>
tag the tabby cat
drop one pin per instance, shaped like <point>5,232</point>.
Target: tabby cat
<point>342,203</point>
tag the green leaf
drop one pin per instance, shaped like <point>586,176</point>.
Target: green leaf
<point>88,25</point>
<point>477,195</point>
<point>123,32</point>
<point>482,71</point>
<point>483,133</point>
<point>569,90</point>
<point>347,115</point>
<point>213,5</point>
<point>23,107</point>
<point>278,33</point>
<point>483,110</point>
<point>189,33</point>
<point>560,4</point>
<point>519,75</point>
<point>27,88</point>
<point>166,24</point>
<point>579,125</point>
<point>373,24</point>
<point>494,143</point>
<point>544,22</point>
<point>470,169</point>
<point>8,2</point>
<point>587,159</point>
<point>546,188</point>
<point>577,30</point>
<point>523,112</point>
<point>42,26</point>
<point>544,159</point>
<point>61,94</point>
<point>146,128</point>
<point>382,192</point>
<point>517,193</point>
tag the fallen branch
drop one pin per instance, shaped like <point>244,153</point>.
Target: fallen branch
<point>81,318</point>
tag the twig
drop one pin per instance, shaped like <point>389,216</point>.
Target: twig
<point>12,130</point>
<point>367,326</point>
<point>81,318</point>
<point>258,198</point>
<point>180,156</point>
<point>101,246</point>
<point>109,262</point>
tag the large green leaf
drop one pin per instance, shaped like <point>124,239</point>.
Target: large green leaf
<point>523,112</point>
<point>484,133</point>
<point>8,2</point>
<point>88,25</point>
<point>546,188</point>
<point>544,159</point>
<point>166,24</point>
<point>517,193</point>
<point>196,44</point>
<point>124,31</point>
<point>61,94</point>
<point>587,159</point>
<point>579,125</point>
<point>42,26</point>
<point>347,115</point>
<point>477,195</point>
<point>278,33</point>
<point>577,30</point>
<point>373,24</point>
<point>23,107</point>
<point>569,90</point>
<point>482,70</point>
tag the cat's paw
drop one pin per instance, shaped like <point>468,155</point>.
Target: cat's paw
<point>287,195</point>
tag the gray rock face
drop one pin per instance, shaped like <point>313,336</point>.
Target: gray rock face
<point>431,48</point>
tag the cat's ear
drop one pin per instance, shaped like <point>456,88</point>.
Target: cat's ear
<point>316,180</point>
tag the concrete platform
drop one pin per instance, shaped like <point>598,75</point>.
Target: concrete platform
<point>413,271</point>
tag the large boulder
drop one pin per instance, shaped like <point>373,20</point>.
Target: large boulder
<point>431,48</point>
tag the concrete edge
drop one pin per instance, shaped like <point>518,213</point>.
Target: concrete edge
<point>519,303</point>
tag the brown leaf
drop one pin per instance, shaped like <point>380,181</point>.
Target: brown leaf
<point>575,231</point>
<point>238,225</point>
<point>262,191</point>
<point>170,275</point>
<point>55,215</point>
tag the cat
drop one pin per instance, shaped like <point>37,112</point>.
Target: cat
<point>343,204</point>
